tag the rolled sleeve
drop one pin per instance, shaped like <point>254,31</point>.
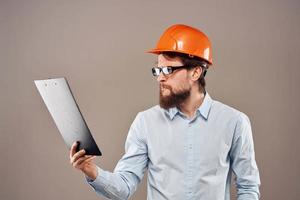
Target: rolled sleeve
<point>101,183</point>
<point>108,185</point>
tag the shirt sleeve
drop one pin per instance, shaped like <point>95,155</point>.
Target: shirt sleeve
<point>243,161</point>
<point>129,171</point>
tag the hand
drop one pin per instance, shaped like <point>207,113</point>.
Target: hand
<point>83,162</point>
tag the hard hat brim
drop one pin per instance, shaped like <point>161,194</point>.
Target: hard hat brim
<point>159,51</point>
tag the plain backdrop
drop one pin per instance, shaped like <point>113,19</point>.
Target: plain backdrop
<point>99,46</point>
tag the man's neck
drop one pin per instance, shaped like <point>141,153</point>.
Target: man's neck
<point>190,106</point>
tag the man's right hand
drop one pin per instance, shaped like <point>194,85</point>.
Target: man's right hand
<point>83,162</point>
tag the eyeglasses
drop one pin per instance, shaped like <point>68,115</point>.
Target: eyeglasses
<point>166,69</point>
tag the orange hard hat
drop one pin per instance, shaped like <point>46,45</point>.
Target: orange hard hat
<point>184,39</point>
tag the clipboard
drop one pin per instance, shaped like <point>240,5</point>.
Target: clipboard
<point>61,104</point>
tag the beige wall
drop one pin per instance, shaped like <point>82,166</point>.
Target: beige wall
<point>99,46</point>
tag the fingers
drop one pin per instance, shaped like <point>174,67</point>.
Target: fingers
<point>84,160</point>
<point>77,155</point>
<point>73,149</point>
<point>89,159</point>
<point>81,162</point>
<point>87,163</point>
<point>78,159</point>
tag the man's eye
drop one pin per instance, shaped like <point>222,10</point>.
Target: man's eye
<point>164,70</point>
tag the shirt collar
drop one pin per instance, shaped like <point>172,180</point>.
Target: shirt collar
<point>205,106</point>
<point>203,109</point>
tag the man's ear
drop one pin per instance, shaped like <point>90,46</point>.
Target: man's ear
<point>196,73</point>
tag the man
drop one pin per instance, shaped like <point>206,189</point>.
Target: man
<point>189,143</point>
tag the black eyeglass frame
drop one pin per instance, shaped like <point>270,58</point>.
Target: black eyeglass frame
<point>166,70</point>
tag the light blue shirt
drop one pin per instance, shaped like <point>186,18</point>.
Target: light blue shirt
<point>190,159</point>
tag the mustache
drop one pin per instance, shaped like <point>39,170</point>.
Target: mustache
<point>165,86</point>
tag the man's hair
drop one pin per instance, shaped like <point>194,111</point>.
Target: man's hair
<point>191,62</point>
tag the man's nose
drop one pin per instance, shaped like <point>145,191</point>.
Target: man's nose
<point>161,77</point>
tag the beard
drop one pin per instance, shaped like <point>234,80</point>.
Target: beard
<point>172,99</point>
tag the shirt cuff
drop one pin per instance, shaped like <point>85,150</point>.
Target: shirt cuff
<point>102,180</point>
